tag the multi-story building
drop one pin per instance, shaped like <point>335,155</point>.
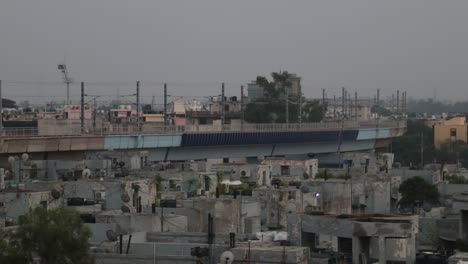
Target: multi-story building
<point>450,131</point>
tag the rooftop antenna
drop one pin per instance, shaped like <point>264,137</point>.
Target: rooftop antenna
<point>66,79</point>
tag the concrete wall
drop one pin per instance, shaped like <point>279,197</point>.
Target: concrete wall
<point>276,203</point>
<point>226,213</point>
<point>334,196</point>
<point>442,131</point>
<point>113,191</point>
<point>129,223</point>
<point>18,203</point>
<point>448,190</point>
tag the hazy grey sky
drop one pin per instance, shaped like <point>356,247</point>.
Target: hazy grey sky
<point>417,45</point>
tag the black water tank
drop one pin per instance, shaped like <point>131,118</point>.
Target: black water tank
<point>168,203</point>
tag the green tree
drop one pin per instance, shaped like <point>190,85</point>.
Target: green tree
<point>272,107</point>
<point>417,190</point>
<point>407,148</point>
<point>56,236</point>
<point>453,152</point>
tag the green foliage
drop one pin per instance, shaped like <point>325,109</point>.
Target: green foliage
<point>453,152</point>
<point>454,179</point>
<point>382,111</point>
<point>407,148</point>
<point>272,108</point>
<point>325,174</point>
<point>416,189</point>
<point>34,171</point>
<point>158,181</point>
<point>56,236</point>
<point>461,245</point>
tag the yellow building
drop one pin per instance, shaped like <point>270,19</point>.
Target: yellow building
<point>452,130</point>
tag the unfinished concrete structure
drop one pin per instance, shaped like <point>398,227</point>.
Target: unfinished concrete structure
<point>15,203</point>
<point>364,237</point>
<point>275,204</point>
<point>241,215</point>
<point>113,193</point>
<point>176,247</point>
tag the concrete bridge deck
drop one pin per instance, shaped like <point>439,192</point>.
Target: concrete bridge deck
<point>330,136</point>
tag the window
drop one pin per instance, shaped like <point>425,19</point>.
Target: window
<point>453,132</point>
<point>225,160</point>
<point>284,170</point>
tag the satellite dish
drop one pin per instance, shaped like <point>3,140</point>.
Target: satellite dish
<point>291,208</point>
<point>11,159</point>
<point>226,258</point>
<point>449,203</point>
<point>86,173</point>
<point>55,194</point>
<point>111,235</point>
<point>305,189</point>
<point>237,182</point>
<point>125,198</point>
<point>125,209</point>
<point>226,182</point>
<point>25,157</point>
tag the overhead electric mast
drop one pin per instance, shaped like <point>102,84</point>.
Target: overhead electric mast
<point>66,79</point>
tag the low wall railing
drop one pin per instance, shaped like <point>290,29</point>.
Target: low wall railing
<point>73,130</point>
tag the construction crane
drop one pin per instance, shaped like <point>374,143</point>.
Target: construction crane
<point>66,79</point>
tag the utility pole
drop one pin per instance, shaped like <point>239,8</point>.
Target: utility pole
<point>378,98</point>
<point>398,101</point>
<point>343,98</point>
<point>66,79</point>
<point>82,107</point>
<point>242,107</point>
<point>323,97</point>
<point>222,105</point>
<point>334,106</point>
<point>287,105</point>
<point>165,105</point>
<point>422,150</point>
<point>393,103</point>
<point>138,104</point>
<point>355,106</point>
<point>94,115</point>
<point>350,106</point>
<point>153,98</point>
<point>300,107</point>
<point>1,110</point>
<point>345,105</point>
<point>403,103</point>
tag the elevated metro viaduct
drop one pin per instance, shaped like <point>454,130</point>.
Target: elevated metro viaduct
<point>297,141</point>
